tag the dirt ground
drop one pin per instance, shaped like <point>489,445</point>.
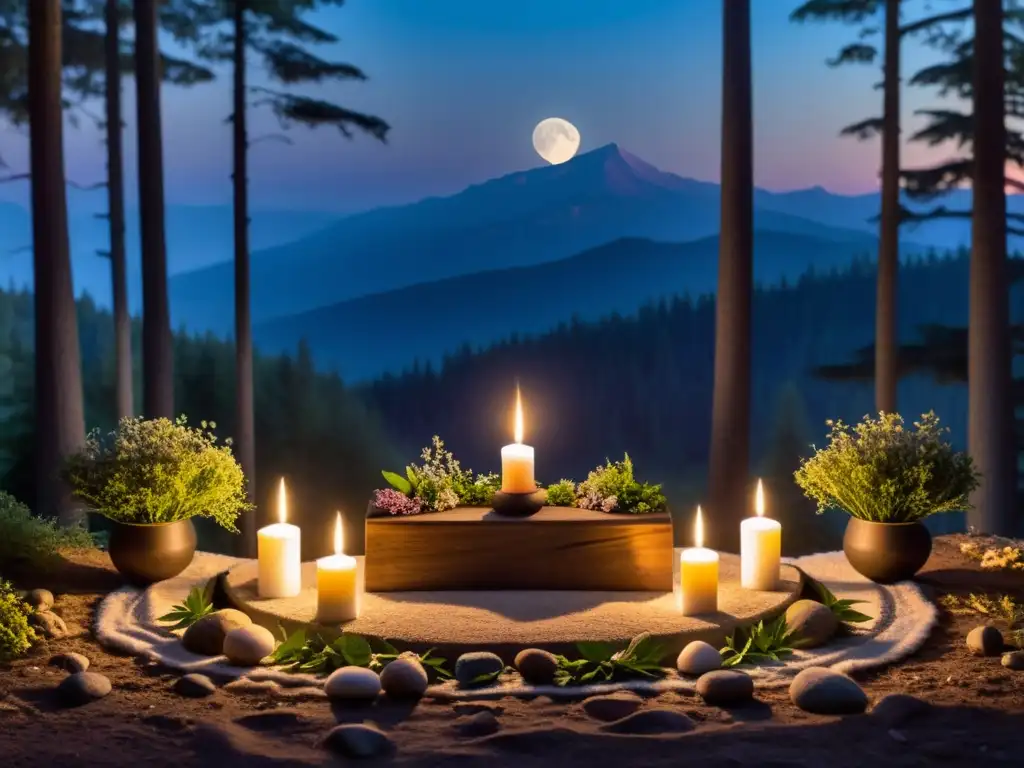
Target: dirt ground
<point>977,720</point>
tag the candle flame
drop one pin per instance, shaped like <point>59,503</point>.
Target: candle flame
<point>519,416</point>
<point>282,503</point>
<point>338,538</point>
<point>698,529</point>
<point>759,499</point>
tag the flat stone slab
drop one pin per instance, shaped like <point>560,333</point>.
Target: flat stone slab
<point>506,621</point>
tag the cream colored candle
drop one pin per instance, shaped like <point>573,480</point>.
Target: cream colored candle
<point>517,459</point>
<point>337,584</point>
<point>279,554</point>
<point>698,575</point>
<point>760,548</point>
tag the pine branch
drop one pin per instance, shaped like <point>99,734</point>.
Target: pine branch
<point>314,113</point>
<point>854,53</point>
<point>928,183</point>
<point>847,11</point>
<point>289,64</point>
<point>865,129</point>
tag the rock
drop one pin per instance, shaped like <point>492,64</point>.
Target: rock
<point>536,666</point>
<point>612,706</point>
<point>985,641</point>
<point>81,688</point>
<point>725,688</point>
<point>811,623</point>
<point>824,692</point>
<point>40,599</point>
<point>353,684</point>
<point>470,667</point>
<point>49,624</point>
<point>70,662</point>
<point>649,722</point>
<point>1014,660</point>
<point>247,646</point>
<point>206,636</point>
<point>480,724</point>
<point>194,686</point>
<point>896,709</point>
<point>404,678</point>
<point>358,740</point>
<point>697,658</point>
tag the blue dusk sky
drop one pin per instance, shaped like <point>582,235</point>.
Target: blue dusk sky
<point>463,82</point>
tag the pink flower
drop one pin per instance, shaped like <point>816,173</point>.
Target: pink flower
<point>396,503</point>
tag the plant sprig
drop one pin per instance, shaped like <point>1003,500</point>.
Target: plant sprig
<point>197,604</point>
<point>601,662</point>
<point>841,608</point>
<point>761,643</point>
<point>434,665</point>
<point>316,656</point>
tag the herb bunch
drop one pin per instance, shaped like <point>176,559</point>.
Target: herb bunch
<point>613,488</point>
<point>197,604</point>
<point>314,655</point>
<point>437,484</point>
<point>759,644</point>
<point>841,608</point>
<point>601,662</point>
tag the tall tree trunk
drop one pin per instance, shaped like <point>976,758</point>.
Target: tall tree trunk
<point>729,497</point>
<point>886,331</point>
<point>990,409</point>
<point>115,202</point>
<point>157,353</point>
<point>60,422</point>
<point>245,429</point>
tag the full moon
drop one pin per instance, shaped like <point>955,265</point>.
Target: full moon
<point>556,140</point>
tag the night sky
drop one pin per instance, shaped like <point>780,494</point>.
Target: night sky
<point>463,82</point>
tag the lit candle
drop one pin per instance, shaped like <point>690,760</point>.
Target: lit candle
<point>517,459</point>
<point>279,554</point>
<point>698,575</point>
<point>337,584</point>
<point>760,548</point>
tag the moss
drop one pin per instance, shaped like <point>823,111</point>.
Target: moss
<point>562,494</point>
<point>16,636</point>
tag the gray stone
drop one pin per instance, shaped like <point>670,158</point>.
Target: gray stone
<point>358,740</point>
<point>49,624</point>
<point>896,709</point>
<point>247,646</point>
<point>404,678</point>
<point>194,686</point>
<point>470,667</point>
<point>612,706</point>
<point>206,636</point>
<point>697,658</point>
<point>824,692</point>
<point>81,688</point>
<point>480,724</point>
<point>650,722</point>
<point>536,666</point>
<point>811,623</point>
<point>353,684</point>
<point>1014,660</point>
<point>70,662</point>
<point>725,688</point>
<point>40,599</point>
<point>985,641</point>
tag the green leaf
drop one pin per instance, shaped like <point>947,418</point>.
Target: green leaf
<point>289,648</point>
<point>851,616</point>
<point>355,649</point>
<point>398,482</point>
<point>595,652</point>
<point>414,480</point>
<point>486,677</point>
<point>195,605</point>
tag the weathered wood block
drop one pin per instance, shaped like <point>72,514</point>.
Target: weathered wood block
<point>558,549</point>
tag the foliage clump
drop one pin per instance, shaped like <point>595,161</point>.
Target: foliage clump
<point>562,494</point>
<point>159,471</point>
<point>996,558</point>
<point>197,604</point>
<point>16,635</point>
<point>34,541</point>
<point>314,655</point>
<point>885,473</point>
<point>437,484</point>
<point>613,488</point>
<point>759,644</point>
<point>601,662</point>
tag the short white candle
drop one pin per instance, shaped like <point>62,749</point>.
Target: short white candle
<point>760,548</point>
<point>517,459</point>
<point>698,575</point>
<point>279,554</point>
<point>337,584</point>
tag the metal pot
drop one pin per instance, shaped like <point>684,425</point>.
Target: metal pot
<point>886,552</point>
<point>147,553</point>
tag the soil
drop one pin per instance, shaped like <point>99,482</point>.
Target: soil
<point>977,720</point>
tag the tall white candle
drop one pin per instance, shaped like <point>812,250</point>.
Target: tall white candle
<point>517,459</point>
<point>698,575</point>
<point>760,548</point>
<point>279,554</point>
<point>337,584</point>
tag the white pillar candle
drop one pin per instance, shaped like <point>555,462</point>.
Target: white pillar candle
<point>760,548</point>
<point>279,555</point>
<point>517,459</point>
<point>337,584</point>
<point>698,575</point>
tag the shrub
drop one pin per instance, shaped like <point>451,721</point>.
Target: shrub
<point>34,541</point>
<point>16,636</point>
<point>882,472</point>
<point>159,471</point>
<point>612,488</point>
<point>562,494</point>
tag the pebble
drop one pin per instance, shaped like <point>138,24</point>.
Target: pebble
<point>353,684</point>
<point>358,740</point>
<point>480,724</point>
<point>82,687</point>
<point>697,658</point>
<point>725,688</point>
<point>985,641</point>
<point>650,722</point>
<point>206,636</point>
<point>612,706</point>
<point>70,662</point>
<point>896,709</point>
<point>537,667</point>
<point>40,599</point>
<point>404,678</point>
<point>247,646</point>
<point>824,692</point>
<point>194,686</point>
<point>49,624</point>
<point>1014,660</point>
<point>811,623</point>
<point>471,666</point>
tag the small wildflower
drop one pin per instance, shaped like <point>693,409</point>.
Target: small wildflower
<point>391,501</point>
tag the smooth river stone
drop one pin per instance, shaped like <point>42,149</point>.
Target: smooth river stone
<point>811,623</point>
<point>697,658</point>
<point>824,692</point>
<point>248,646</point>
<point>725,688</point>
<point>404,678</point>
<point>536,666</point>
<point>353,684</point>
<point>206,636</point>
<point>985,641</point>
